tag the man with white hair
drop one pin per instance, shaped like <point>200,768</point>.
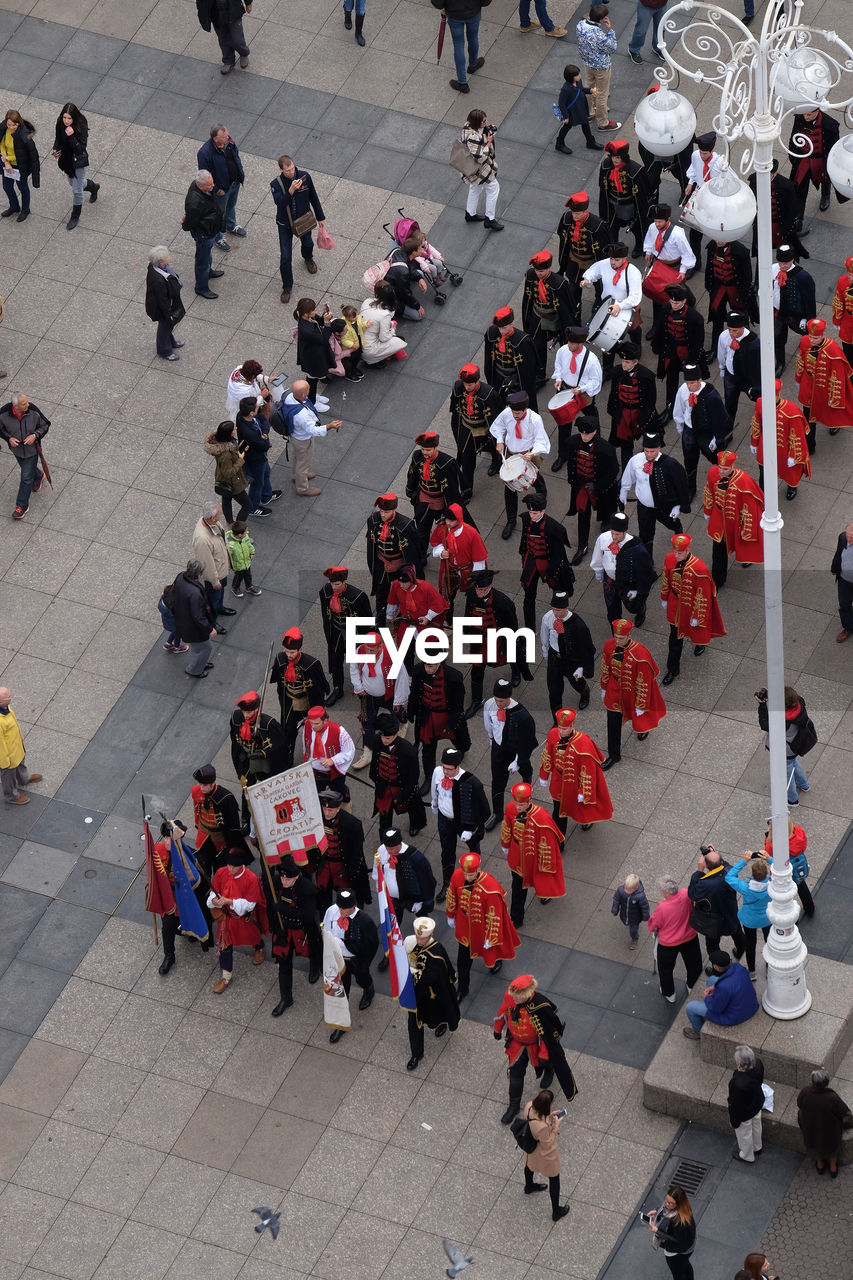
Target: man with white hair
<point>435,988</point>
<point>210,549</point>
<point>204,220</point>
<point>746,1102</point>
<point>13,770</point>
<point>23,426</point>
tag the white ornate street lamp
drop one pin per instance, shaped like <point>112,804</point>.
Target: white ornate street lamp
<point>761,79</point>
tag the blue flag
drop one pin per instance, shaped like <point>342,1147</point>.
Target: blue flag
<point>185,871</point>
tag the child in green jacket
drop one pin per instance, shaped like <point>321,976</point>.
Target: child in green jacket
<point>241,552</point>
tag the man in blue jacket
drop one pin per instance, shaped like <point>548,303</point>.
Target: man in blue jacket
<point>253,433</point>
<point>221,157</point>
<point>729,997</point>
<point>294,196</point>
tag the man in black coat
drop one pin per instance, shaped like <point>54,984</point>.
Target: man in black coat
<point>409,878</point>
<point>294,196</point>
<point>542,548</point>
<point>292,913</point>
<point>203,219</point>
<point>783,213</point>
<point>358,939</point>
<point>23,426</point>
<point>593,474</point>
<point>474,405</point>
<point>437,710</point>
<point>341,864</point>
<point>194,618</point>
<point>702,420</point>
<point>392,541</point>
<point>794,300</point>
<point>624,194</point>
<point>339,600</point>
<point>435,988</point>
<point>819,134</point>
<point>718,901</point>
<point>394,773</point>
<point>661,487</point>
<point>433,482</point>
<point>746,1102</point>
<point>511,730</point>
<point>458,799</point>
<point>497,610</point>
<point>623,566</point>
<point>300,682</point>
<point>510,358</point>
<point>547,307</point>
<point>631,402</point>
<point>678,338</point>
<point>568,650</point>
<point>226,18</point>
<point>584,239</point>
<point>728,279</point>
<point>257,741</point>
<point>842,570</point>
<point>739,361</point>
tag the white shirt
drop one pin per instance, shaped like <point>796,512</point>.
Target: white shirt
<point>682,413</point>
<point>389,873</point>
<point>239,389</point>
<point>341,760</point>
<point>363,681</point>
<point>305,424</point>
<point>240,906</point>
<point>587,375</point>
<point>549,639</point>
<point>437,550</point>
<point>441,798</point>
<point>330,922</point>
<point>725,355</point>
<point>635,476</point>
<point>603,560</point>
<point>696,168</point>
<point>675,246</point>
<point>494,726</point>
<point>627,292</point>
<point>534,438</point>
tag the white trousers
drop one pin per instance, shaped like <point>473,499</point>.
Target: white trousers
<point>748,1137</point>
<point>491,189</point>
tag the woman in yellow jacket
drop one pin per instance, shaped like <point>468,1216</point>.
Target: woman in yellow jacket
<point>13,771</point>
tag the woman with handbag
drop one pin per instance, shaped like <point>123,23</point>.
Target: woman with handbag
<point>69,151</point>
<point>230,482</point>
<point>163,301</point>
<point>545,1156</point>
<point>478,139</point>
<point>297,212</point>
<point>20,158</point>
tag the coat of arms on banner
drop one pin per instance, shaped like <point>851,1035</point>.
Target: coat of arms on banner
<point>286,813</point>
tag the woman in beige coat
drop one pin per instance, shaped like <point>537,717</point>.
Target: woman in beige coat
<point>545,1157</point>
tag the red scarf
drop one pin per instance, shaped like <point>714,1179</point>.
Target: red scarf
<point>577,228</point>
<point>617,275</point>
<point>343,923</point>
<point>518,422</point>
<point>335,602</point>
<point>735,344</point>
<point>691,400</point>
<point>447,784</point>
<point>573,363</point>
<point>502,341</point>
<point>386,525</point>
<point>706,170</point>
<point>558,627</point>
<point>614,547</point>
<point>425,473</point>
<point>247,728</point>
<point>501,712</point>
<point>469,403</point>
<point>543,292</point>
<point>647,467</point>
<point>619,179</point>
<point>659,241</point>
<point>782,279</point>
<point>317,749</point>
<point>290,673</point>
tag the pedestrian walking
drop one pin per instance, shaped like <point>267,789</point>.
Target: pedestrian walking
<point>532,1030</point>
<point>755,1265</point>
<point>675,936</point>
<point>210,549</point>
<point>230,482</point>
<point>596,47</point>
<point>220,155</point>
<point>648,11</point>
<point>545,1156</point>
<point>23,426</point>
<point>21,165</point>
<point>800,737</point>
<point>163,303</point>
<point>631,905</point>
<point>546,22</point>
<point>478,137</point>
<point>297,212</point>
<point>574,109</point>
<point>226,19</point>
<point>71,154</point>
<point>823,1116</point>
<point>13,770</point>
<point>746,1100</point>
<point>674,1231</point>
<point>194,619</point>
<point>434,979</point>
<point>463,18</point>
<point>842,570</point>
<point>203,219</point>
<point>359,19</point>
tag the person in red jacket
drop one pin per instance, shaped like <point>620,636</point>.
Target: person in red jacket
<point>797,843</point>
<point>842,310</point>
<point>688,594</point>
<point>533,845</point>
<point>572,762</point>
<point>792,445</point>
<point>733,505</point>
<point>235,892</point>
<point>460,552</point>
<point>476,908</point>
<point>629,689</point>
<point>413,604</point>
<point>823,375</point>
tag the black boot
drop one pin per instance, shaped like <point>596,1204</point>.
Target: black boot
<point>75,217</point>
<point>359,27</point>
<point>93,188</point>
<point>168,961</point>
<point>511,1111</point>
<point>285,990</point>
<point>348,19</point>
<point>314,970</point>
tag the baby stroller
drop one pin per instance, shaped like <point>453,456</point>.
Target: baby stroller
<point>435,270</point>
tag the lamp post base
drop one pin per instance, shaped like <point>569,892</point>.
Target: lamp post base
<point>785,954</point>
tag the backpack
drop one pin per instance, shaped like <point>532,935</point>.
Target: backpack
<point>805,739</point>
<point>705,920</point>
<point>520,1130</point>
<point>376,273</point>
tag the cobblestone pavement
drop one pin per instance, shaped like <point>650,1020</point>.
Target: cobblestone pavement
<point>142,1118</point>
<point>812,1230</point>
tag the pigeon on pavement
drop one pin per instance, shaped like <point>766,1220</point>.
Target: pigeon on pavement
<point>269,1219</point>
<point>457,1259</point>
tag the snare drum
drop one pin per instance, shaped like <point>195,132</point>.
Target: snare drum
<point>606,330</point>
<point>565,406</point>
<point>518,474</point>
<point>688,217</point>
<point>659,276</point>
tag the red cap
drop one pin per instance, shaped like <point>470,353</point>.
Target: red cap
<point>579,200</point>
<point>505,315</point>
<point>336,571</point>
<point>370,640</point>
<point>386,500</point>
<point>521,982</point>
<point>619,147</point>
<point>623,627</point>
<point>469,371</point>
<point>456,511</point>
<point>848,264</point>
<point>778,383</point>
<point>316,713</point>
<point>428,438</point>
<point>816,326</point>
<point>521,792</point>
<point>681,541</point>
<point>470,861</point>
<point>295,635</point>
<point>566,716</point>
<point>541,259</point>
<point>248,701</point>
<point>726,458</point>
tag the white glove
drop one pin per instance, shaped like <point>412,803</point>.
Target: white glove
<point>465,835</point>
<point>577,673</point>
<point>416,906</point>
<point>679,426</point>
<point>705,514</point>
<point>599,575</point>
<point>663,604</point>
<point>487,946</point>
<point>694,622</point>
<point>450,922</point>
<point>603,691</point>
<point>638,712</point>
<point>753,449</point>
<point>543,782</point>
<point>713,443</point>
<point>580,798</point>
<point>434,809</point>
<point>504,850</point>
<point>792,462</point>
<point>675,513</point>
<point>513,768</point>
<point>803,324</point>
<point>632,595</point>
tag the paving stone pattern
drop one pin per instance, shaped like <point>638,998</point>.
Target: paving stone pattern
<point>124,1152</point>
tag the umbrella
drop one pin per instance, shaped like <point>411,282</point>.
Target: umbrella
<point>441,30</point>
<point>44,465</point>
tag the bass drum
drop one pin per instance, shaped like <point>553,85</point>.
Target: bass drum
<point>518,474</point>
<point>606,330</point>
<point>657,278</point>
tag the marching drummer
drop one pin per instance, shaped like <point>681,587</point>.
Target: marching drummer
<point>519,432</point>
<point>704,165</point>
<point>667,245</point>
<point>622,288</point>
<point>577,369</point>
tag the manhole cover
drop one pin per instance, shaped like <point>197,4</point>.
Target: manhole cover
<point>690,1174</point>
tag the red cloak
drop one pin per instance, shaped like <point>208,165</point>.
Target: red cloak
<point>823,375</point>
<point>691,596</point>
<point>791,428</point>
<point>631,687</point>
<point>577,779</point>
<point>479,913</point>
<point>537,855</point>
<point>734,515</point>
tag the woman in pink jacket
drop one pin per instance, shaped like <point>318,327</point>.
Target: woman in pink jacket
<point>670,921</point>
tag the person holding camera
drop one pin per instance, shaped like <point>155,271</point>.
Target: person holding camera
<point>297,212</point>
<point>545,1156</point>
<point>800,737</point>
<point>753,911</point>
<point>478,137</point>
<point>596,47</point>
<point>230,483</point>
<point>714,911</point>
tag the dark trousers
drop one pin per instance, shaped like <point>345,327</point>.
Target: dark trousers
<point>335,657</point>
<point>500,775</point>
<point>215,596</point>
<point>356,968</point>
<point>674,650</point>
<point>243,504</point>
<point>529,605</point>
<point>673,379</point>
<point>290,726</point>
<point>647,518</point>
<point>720,563</point>
<point>585,130</point>
<point>448,837</point>
<point>692,449</point>
<point>463,969</point>
<point>556,1065</point>
<point>558,672</point>
<point>242,577</point>
<point>517,900</point>
<point>165,338</point>
<point>31,474</point>
<point>731,395</point>
<point>285,250</point>
<point>467,449</point>
<point>667,956</point>
<point>680,1266</point>
<point>801,195</point>
<point>425,518</point>
<point>553,1187</point>
<point>232,41</point>
<point>614,735</point>
<point>738,939</point>
<point>612,602</point>
<point>806,898</point>
<point>23,186</point>
<point>171,924</point>
<point>562,823</point>
<point>203,263</point>
<point>750,940</point>
<point>416,1036</point>
<point>845,604</point>
<point>511,496</point>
